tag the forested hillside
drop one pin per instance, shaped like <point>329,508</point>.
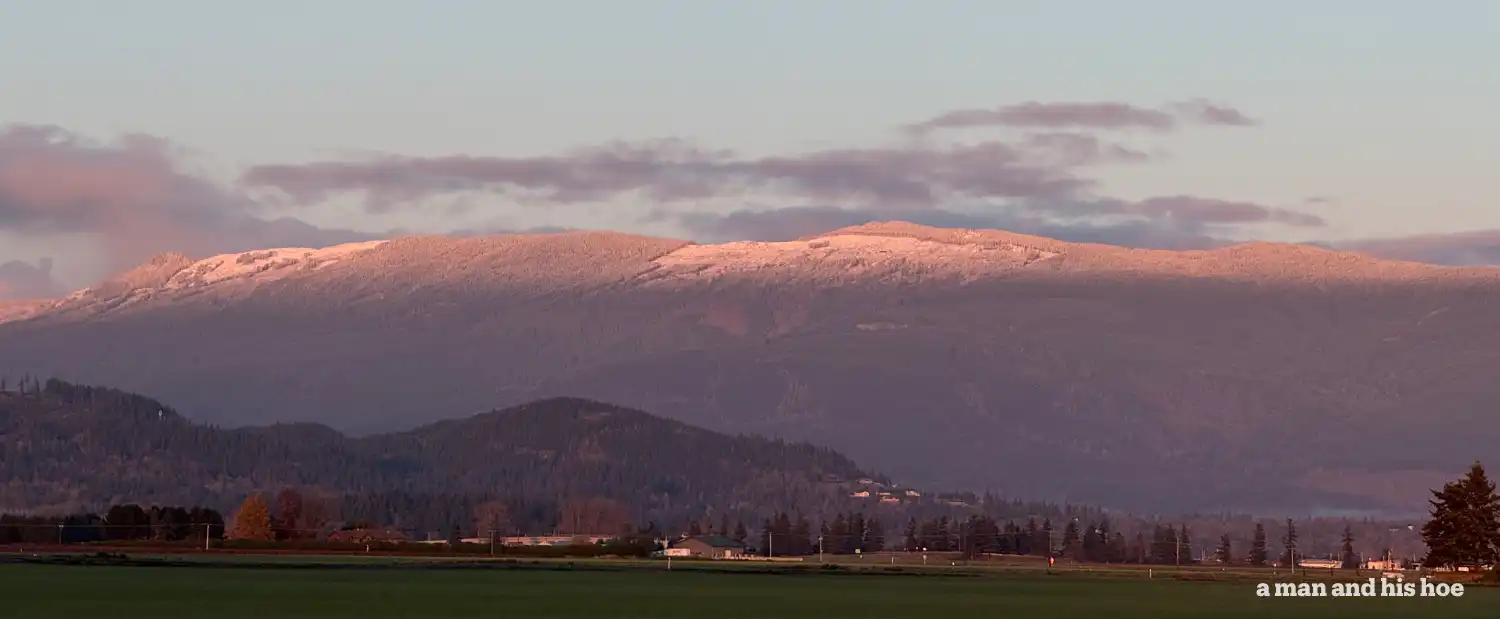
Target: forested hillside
<point>67,447</point>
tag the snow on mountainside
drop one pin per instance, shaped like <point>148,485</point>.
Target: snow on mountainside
<point>890,251</point>
<point>172,272</point>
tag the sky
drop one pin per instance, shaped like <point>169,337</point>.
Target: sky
<point>130,129</point>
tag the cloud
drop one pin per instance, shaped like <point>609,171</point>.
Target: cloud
<point>1097,115</point>
<point>1035,181</point>
<point>670,171</point>
<point>22,280</point>
<point>1209,211</point>
<point>1473,248</point>
<point>131,197</point>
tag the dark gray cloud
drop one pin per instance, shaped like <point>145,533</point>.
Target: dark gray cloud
<point>23,280</point>
<point>131,197</point>
<point>1097,115</point>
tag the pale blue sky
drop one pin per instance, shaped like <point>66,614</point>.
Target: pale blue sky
<point>1387,107</point>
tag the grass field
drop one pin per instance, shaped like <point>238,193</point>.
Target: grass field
<point>52,591</point>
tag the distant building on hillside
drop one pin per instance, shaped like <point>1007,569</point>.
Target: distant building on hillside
<point>708,546</point>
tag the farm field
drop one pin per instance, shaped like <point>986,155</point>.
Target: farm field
<point>227,592</point>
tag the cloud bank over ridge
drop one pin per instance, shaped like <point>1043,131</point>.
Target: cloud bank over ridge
<point>1033,171</point>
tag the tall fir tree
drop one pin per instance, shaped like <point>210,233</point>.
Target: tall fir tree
<point>1464,530</point>
<point>1225,553</point>
<point>1044,544</point>
<point>1258,551</point>
<point>874,535</point>
<point>1094,545</point>
<point>1347,558</point>
<point>1290,555</point>
<point>1033,539</point>
<point>1072,546</point>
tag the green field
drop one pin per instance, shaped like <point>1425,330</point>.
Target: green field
<point>51,591</point>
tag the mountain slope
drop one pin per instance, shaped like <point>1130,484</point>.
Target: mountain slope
<point>72,446</point>
<point>1253,376</point>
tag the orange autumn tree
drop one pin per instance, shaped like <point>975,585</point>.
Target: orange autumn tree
<point>252,521</point>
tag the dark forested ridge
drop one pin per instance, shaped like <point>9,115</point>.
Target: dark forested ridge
<point>67,447</point>
<point>562,464</point>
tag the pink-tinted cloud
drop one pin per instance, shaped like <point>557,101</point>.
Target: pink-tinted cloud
<point>1097,115</point>
<point>131,197</point>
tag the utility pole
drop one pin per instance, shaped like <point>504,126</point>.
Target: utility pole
<point>820,549</point>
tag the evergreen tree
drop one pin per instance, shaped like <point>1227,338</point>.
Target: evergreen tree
<point>1043,544</point>
<point>1465,526</point>
<point>838,541</point>
<point>1185,546</point>
<point>911,544</point>
<point>1072,546</point>
<point>1164,545</point>
<point>1289,555</point>
<point>857,533</point>
<point>694,529</point>
<point>724,530</point>
<point>1032,540</point>
<point>874,535</point>
<point>1109,552</point>
<point>802,537</point>
<point>1258,552</point>
<point>253,520</point>
<point>1225,553</point>
<point>1347,558</point>
<point>740,534</point>
<point>1138,550</point>
<point>1093,545</point>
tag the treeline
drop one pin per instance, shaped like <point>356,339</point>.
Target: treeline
<point>120,523</point>
<point>75,447</point>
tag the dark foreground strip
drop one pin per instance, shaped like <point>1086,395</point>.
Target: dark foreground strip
<point>120,560</point>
